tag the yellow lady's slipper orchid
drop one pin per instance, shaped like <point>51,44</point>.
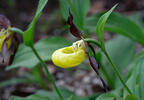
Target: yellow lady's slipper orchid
<point>69,56</point>
<point>4,33</point>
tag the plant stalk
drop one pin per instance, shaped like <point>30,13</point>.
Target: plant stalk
<point>113,66</point>
<point>17,30</point>
<point>117,72</point>
<point>49,76</point>
<point>92,41</point>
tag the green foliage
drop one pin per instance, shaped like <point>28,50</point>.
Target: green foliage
<point>137,18</point>
<point>37,74</point>
<point>19,31</point>
<point>100,31</point>
<point>71,98</point>
<point>14,81</point>
<point>28,34</point>
<point>26,79</point>
<point>136,80</point>
<point>108,96</point>
<point>65,93</point>
<point>100,26</point>
<point>131,97</point>
<point>120,24</point>
<point>64,7</point>
<point>45,47</point>
<point>32,97</point>
<point>121,51</point>
<point>51,95</point>
<point>79,10</point>
<point>94,96</point>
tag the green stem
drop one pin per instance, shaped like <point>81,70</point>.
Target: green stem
<point>49,76</point>
<point>113,66</point>
<point>17,30</point>
<point>92,41</point>
<point>117,72</point>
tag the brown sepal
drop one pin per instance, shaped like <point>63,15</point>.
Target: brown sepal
<point>73,28</point>
<point>15,48</point>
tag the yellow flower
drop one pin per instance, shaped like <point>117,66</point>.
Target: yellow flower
<point>4,34</point>
<point>69,56</point>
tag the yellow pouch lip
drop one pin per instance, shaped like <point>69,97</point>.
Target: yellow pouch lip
<point>68,57</point>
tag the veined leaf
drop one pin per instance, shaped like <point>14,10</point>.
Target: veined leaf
<point>108,96</point>
<point>14,81</point>
<point>26,79</point>
<point>50,95</point>
<point>137,18</point>
<point>28,34</point>
<point>121,51</point>
<point>119,24</point>
<point>131,97</point>
<point>100,26</point>
<point>136,80</point>
<point>26,58</point>
<point>71,98</point>
<point>64,7</point>
<point>79,10</point>
<point>32,97</point>
<point>65,93</point>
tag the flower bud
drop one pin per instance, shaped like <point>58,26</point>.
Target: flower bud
<point>5,36</point>
<point>69,56</point>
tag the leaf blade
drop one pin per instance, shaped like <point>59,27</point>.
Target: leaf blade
<point>122,50</point>
<point>100,26</point>
<point>28,34</point>
<point>79,10</point>
<point>45,48</point>
<point>119,24</point>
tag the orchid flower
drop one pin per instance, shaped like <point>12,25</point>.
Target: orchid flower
<point>69,56</point>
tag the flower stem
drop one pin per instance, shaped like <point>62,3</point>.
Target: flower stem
<point>49,76</point>
<point>117,72</point>
<point>113,66</point>
<point>92,41</point>
<point>17,30</point>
